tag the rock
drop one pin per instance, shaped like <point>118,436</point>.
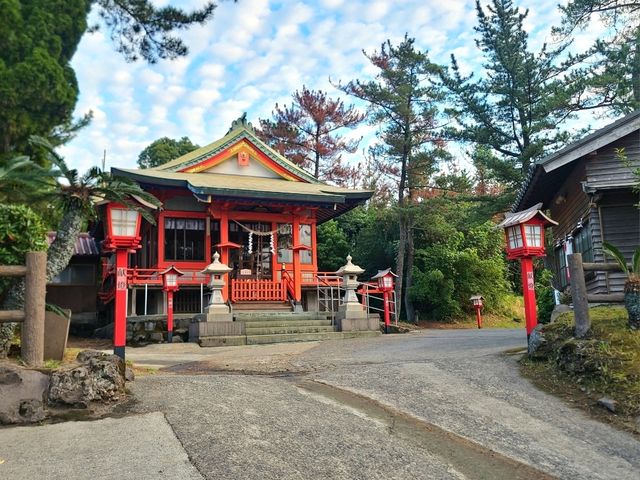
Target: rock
<point>99,377</point>
<point>157,337</point>
<point>638,424</point>
<point>104,332</point>
<point>177,339</point>
<point>22,395</point>
<point>559,310</point>
<point>536,340</point>
<point>608,403</point>
<point>129,375</point>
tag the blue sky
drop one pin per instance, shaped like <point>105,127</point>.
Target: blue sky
<point>254,54</point>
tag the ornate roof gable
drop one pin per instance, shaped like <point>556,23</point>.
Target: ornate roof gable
<point>241,139</point>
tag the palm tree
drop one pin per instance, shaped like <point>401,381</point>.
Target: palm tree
<point>77,196</point>
<point>632,285</point>
<point>21,180</point>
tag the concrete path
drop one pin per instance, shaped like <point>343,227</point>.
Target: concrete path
<point>141,447</point>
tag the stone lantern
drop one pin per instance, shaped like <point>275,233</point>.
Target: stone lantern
<point>351,313</point>
<point>217,310</point>
<point>349,274</point>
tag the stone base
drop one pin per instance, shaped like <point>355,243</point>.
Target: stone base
<point>198,330</point>
<point>213,317</point>
<point>357,322</point>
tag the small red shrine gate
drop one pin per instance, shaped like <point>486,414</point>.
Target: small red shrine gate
<point>239,197</point>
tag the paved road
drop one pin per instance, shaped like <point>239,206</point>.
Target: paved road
<point>437,404</point>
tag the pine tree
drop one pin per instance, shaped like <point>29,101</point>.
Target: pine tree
<point>403,101</point>
<point>306,132</point>
<point>518,105</point>
<point>614,77</point>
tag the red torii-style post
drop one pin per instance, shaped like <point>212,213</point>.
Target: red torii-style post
<point>524,235</point>
<point>123,236</point>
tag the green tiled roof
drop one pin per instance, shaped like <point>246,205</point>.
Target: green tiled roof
<point>241,186</point>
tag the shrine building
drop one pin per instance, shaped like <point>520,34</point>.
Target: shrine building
<point>241,198</point>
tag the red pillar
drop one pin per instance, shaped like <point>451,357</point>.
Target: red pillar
<point>387,315</point>
<point>297,273</point>
<point>478,317</point>
<point>224,251</point>
<point>529,293</point>
<point>120,321</point>
<point>170,316</point>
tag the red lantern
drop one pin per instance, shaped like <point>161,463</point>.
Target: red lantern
<point>386,279</point>
<point>170,285</point>
<point>123,227</point>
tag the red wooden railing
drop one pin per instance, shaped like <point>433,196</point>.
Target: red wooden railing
<point>256,290</point>
<point>288,284</point>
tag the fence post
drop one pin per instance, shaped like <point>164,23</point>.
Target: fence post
<point>32,348</point>
<point>579,295</point>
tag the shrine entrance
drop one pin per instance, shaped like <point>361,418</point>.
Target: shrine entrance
<point>254,259</point>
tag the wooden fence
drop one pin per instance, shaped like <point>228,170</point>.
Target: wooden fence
<point>581,298</point>
<point>32,317</point>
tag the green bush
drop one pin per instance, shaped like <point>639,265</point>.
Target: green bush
<point>545,301</point>
<point>446,274</point>
<point>21,231</point>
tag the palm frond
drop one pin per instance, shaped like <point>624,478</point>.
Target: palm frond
<point>617,255</point>
<point>635,262</point>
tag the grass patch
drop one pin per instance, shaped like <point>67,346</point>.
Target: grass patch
<point>604,363</point>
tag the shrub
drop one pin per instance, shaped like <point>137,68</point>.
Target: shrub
<point>21,231</point>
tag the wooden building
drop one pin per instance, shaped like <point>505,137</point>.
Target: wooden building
<point>589,187</point>
<point>76,287</point>
<point>243,199</point>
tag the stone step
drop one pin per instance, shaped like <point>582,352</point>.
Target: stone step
<point>307,337</point>
<point>291,317</point>
<point>287,323</point>
<point>262,306</point>
<point>289,329</point>
<point>279,316</point>
<point>222,341</point>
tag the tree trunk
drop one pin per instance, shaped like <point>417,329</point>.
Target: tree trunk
<point>58,256</point>
<point>402,244</point>
<point>408,303</point>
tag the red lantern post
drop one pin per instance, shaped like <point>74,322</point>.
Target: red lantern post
<point>123,227</point>
<point>524,234</point>
<point>478,303</point>
<point>386,279</point>
<point>170,285</point>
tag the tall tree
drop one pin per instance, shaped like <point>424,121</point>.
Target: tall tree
<point>163,150</point>
<point>307,133</point>
<point>518,105</point>
<point>404,101</point>
<point>614,78</point>
<point>38,38</point>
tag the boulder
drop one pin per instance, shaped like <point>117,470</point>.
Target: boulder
<point>22,395</point>
<point>129,374</point>
<point>559,310</point>
<point>608,403</point>
<point>97,377</point>
<point>536,341</point>
<point>157,337</point>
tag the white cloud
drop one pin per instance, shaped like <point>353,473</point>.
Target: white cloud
<point>252,55</point>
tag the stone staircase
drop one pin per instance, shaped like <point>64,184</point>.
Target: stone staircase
<point>274,326</point>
